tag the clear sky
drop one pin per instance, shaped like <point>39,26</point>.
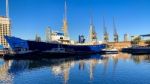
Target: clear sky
<point>30,17</point>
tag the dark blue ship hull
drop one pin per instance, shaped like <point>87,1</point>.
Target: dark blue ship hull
<point>17,44</point>
<point>137,50</point>
<point>42,46</point>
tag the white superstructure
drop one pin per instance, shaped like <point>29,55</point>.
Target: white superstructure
<point>55,36</point>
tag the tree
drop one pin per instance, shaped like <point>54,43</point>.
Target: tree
<point>136,40</point>
<point>147,42</point>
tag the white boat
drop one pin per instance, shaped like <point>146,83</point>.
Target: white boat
<point>110,51</point>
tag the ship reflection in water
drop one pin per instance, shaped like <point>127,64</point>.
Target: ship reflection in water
<point>105,69</point>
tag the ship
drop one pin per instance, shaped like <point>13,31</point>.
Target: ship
<point>137,50</point>
<point>27,48</point>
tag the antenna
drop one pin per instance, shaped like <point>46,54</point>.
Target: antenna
<point>7,9</point>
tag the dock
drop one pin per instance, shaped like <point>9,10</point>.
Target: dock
<point>1,53</point>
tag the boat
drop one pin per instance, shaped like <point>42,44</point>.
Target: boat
<point>137,50</point>
<point>20,48</point>
<point>109,51</point>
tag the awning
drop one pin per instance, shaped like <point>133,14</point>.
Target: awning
<point>146,35</point>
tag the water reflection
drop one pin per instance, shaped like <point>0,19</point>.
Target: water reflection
<point>5,77</point>
<point>10,69</point>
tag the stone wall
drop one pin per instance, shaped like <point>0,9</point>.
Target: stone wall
<point>120,45</point>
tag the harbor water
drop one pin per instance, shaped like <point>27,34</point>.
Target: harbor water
<point>94,69</point>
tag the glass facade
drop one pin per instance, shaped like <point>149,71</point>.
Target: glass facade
<point>4,30</point>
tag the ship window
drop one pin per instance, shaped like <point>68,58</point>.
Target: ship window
<point>61,37</point>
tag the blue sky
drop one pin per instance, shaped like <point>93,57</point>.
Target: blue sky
<point>30,17</point>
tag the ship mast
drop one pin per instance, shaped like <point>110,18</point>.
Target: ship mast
<point>65,24</point>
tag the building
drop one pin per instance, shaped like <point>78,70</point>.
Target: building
<point>81,39</point>
<point>5,29</point>
<point>37,38</point>
<point>125,37</point>
<point>48,34</point>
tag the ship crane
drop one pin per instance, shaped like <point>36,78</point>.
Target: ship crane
<point>93,35</point>
<point>106,36</point>
<point>116,37</point>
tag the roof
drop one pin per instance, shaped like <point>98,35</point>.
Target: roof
<point>146,35</point>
